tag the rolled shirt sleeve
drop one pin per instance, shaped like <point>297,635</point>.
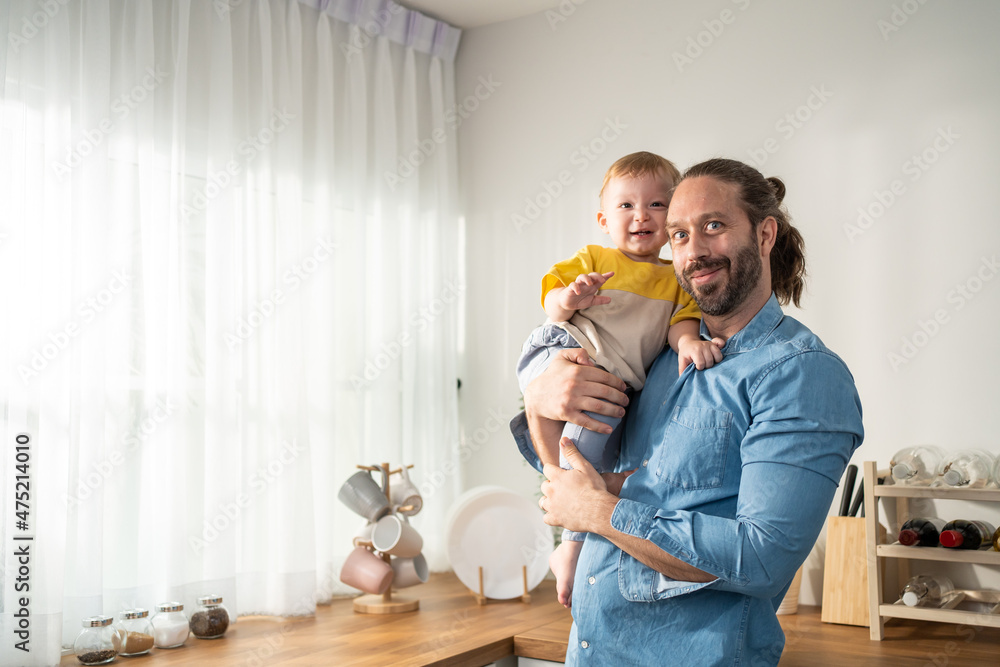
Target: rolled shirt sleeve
<point>806,422</point>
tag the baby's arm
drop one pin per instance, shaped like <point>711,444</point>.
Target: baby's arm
<point>562,302</point>
<point>691,349</point>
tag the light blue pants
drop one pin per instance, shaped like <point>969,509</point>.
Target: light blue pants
<point>600,449</point>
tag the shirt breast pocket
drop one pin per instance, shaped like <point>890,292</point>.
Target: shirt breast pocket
<point>694,448</point>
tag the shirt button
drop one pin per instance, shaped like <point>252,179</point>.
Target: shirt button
<point>645,462</point>
<point>592,580</point>
<point>584,644</point>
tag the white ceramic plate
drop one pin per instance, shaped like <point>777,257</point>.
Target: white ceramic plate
<point>501,531</point>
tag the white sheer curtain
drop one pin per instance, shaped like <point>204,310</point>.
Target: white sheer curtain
<point>229,272</point>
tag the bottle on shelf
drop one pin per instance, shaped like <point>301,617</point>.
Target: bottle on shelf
<point>962,534</point>
<point>925,590</point>
<point>968,469</point>
<point>921,532</point>
<point>916,466</point>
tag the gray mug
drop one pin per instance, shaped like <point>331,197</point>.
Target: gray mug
<point>364,496</point>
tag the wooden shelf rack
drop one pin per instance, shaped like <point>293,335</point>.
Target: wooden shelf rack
<point>880,609</point>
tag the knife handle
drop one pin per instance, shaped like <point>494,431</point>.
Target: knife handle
<point>845,496</point>
<point>858,499</point>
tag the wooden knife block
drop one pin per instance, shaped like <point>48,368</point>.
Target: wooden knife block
<point>845,574</point>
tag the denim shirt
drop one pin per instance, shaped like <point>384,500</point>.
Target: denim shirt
<point>737,466</point>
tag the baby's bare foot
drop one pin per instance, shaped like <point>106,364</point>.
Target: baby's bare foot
<point>563,564</point>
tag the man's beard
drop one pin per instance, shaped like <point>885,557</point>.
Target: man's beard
<point>721,298</point>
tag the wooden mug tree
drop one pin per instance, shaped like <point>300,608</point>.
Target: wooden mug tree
<point>384,603</point>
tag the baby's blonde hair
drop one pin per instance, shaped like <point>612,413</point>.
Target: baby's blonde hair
<point>638,165</point>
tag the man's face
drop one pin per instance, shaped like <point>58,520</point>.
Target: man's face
<point>715,252</point>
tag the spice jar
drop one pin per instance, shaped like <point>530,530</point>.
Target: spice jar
<point>96,643</point>
<point>135,633</point>
<point>211,620</point>
<point>170,625</point>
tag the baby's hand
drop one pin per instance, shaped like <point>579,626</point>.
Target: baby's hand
<point>702,353</point>
<point>582,292</point>
<point>615,480</point>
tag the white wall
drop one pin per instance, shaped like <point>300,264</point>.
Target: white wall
<point>886,95</point>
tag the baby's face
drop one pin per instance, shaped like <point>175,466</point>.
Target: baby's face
<point>634,213</point>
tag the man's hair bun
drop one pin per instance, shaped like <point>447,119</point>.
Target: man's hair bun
<point>778,187</point>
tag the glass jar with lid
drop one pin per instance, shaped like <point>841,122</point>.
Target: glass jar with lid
<point>211,620</point>
<point>170,625</point>
<point>135,633</point>
<point>96,644</point>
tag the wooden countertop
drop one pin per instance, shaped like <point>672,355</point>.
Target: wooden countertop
<point>546,642</point>
<point>449,630</point>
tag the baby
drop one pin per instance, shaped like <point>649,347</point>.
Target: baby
<point>621,305</point>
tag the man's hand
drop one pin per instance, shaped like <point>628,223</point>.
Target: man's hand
<point>576,499</point>
<point>571,385</point>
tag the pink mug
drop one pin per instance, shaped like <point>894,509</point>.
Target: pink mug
<point>366,572</point>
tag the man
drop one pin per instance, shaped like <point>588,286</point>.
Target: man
<point>735,466</point>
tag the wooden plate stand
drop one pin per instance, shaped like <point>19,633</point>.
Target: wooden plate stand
<point>385,603</point>
<point>481,598</point>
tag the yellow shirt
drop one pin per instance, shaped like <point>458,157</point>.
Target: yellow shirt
<point>626,335</point>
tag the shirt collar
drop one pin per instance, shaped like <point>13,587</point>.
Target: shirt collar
<point>755,332</point>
